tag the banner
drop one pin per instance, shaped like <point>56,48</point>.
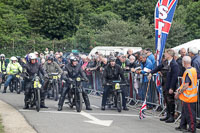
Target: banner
<point>164,13</point>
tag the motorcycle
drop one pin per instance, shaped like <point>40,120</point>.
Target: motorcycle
<point>53,85</point>
<point>115,96</point>
<point>75,94</point>
<point>16,84</point>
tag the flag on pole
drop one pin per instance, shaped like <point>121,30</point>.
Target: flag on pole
<point>144,107</point>
<point>164,13</point>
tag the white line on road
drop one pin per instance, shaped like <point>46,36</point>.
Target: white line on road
<point>76,113</point>
<point>96,121</point>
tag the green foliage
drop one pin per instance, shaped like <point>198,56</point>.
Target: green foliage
<point>193,19</point>
<point>33,25</point>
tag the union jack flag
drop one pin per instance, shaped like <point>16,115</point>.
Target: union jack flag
<point>164,13</point>
<point>144,107</point>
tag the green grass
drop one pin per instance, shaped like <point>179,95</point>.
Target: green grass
<point>1,126</point>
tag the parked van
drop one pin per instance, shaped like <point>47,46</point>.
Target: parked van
<point>106,50</point>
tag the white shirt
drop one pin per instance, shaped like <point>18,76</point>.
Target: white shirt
<point>169,61</point>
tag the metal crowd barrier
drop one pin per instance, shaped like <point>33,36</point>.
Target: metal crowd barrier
<point>138,89</point>
<point>134,90</point>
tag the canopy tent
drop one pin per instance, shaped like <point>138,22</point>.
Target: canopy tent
<point>193,43</point>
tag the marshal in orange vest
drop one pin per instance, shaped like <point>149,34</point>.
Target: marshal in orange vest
<point>190,94</point>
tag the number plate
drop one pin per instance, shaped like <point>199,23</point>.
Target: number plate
<point>37,84</point>
<point>17,76</point>
<point>55,77</point>
<point>117,86</point>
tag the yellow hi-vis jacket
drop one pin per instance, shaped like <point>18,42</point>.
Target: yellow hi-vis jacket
<point>190,94</point>
<point>2,66</point>
<point>13,69</point>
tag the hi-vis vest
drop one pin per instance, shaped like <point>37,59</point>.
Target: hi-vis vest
<point>190,94</point>
<point>14,68</point>
<point>2,66</point>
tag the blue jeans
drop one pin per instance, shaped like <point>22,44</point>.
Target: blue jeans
<point>8,80</point>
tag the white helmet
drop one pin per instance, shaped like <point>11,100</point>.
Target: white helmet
<point>36,52</point>
<point>13,58</point>
<point>2,55</point>
<point>32,56</point>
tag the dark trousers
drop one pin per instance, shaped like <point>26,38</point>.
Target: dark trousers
<point>170,102</point>
<point>188,116</point>
<point>66,90</point>
<point>106,92</point>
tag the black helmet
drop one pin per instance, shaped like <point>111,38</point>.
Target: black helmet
<point>112,59</point>
<point>50,58</point>
<point>73,58</point>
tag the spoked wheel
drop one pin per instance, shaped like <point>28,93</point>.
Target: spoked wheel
<point>79,100</point>
<point>37,100</point>
<point>119,102</point>
<point>11,86</point>
<point>18,87</point>
<point>55,92</point>
<point>71,100</point>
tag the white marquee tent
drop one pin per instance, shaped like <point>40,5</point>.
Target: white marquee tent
<point>193,43</point>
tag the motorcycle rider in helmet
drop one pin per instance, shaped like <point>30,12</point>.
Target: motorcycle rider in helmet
<point>71,71</point>
<point>31,68</point>
<point>3,66</point>
<point>13,68</point>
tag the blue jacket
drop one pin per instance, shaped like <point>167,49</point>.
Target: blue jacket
<point>148,64</point>
<point>196,64</point>
<point>152,59</point>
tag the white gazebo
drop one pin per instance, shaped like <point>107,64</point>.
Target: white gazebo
<point>193,43</point>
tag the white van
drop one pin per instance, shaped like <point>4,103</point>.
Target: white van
<point>106,50</point>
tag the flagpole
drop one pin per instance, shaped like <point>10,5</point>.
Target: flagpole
<point>147,89</point>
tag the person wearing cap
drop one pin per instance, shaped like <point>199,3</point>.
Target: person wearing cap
<point>3,66</point>
<point>71,71</point>
<point>13,68</point>
<point>112,72</point>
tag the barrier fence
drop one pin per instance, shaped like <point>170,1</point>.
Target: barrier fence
<point>136,91</point>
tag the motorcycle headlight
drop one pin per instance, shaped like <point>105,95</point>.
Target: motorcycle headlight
<point>78,79</point>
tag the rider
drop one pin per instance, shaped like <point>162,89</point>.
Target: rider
<point>13,68</point>
<point>72,71</point>
<point>112,72</point>
<point>3,65</point>
<point>31,68</point>
<point>51,67</point>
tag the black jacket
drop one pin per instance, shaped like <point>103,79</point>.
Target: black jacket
<point>32,69</point>
<point>172,74</point>
<point>73,72</point>
<point>113,73</point>
<point>181,68</point>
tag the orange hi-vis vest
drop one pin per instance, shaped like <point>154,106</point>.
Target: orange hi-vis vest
<point>190,94</point>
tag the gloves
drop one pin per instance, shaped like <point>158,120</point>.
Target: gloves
<point>86,80</point>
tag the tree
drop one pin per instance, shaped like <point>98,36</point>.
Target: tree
<point>53,18</point>
<point>193,20</point>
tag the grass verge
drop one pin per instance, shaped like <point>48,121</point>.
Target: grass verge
<point>1,126</point>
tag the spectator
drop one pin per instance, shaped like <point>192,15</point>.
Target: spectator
<point>146,66</point>
<point>150,56</point>
<point>193,53</point>
<point>187,93</point>
<point>129,53</point>
<point>179,61</point>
